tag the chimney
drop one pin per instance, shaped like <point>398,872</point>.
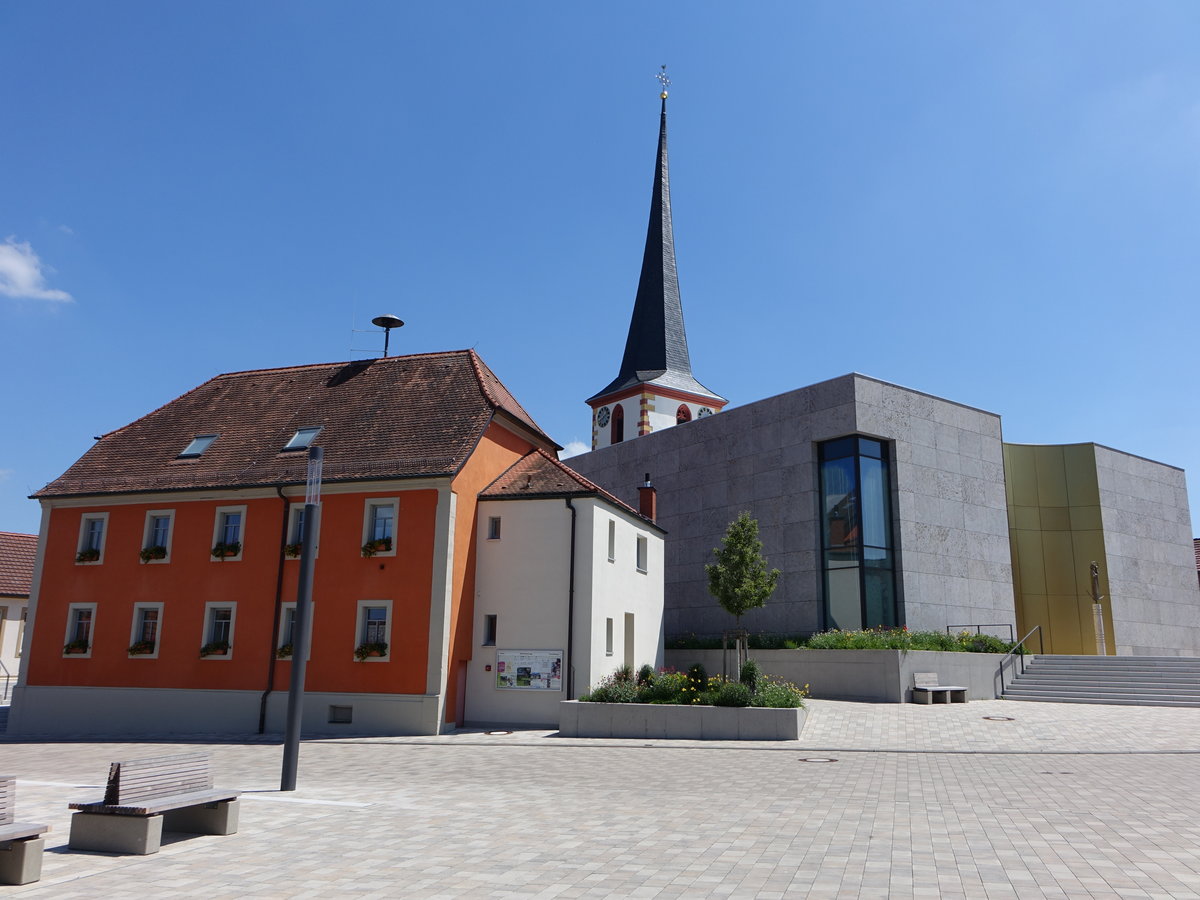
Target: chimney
<point>648,500</point>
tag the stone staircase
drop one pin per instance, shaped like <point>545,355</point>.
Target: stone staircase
<point>1128,680</point>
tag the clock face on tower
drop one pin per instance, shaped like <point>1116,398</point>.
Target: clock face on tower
<point>702,412</point>
<point>602,415</point>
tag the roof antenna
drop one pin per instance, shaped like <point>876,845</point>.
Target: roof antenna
<point>387,323</point>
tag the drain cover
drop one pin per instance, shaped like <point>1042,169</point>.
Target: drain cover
<point>1000,718</point>
<point>817,759</point>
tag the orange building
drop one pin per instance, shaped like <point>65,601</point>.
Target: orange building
<point>167,561</point>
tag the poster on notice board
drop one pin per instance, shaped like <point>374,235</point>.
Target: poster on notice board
<point>529,670</point>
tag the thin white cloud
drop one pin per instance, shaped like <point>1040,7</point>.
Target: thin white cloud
<point>66,229</point>
<point>6,474</point>
<point>573,448</point>
<point>22,275</point>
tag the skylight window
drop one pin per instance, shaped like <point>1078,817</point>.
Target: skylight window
<point>302,438</point>
<point>199,444</point>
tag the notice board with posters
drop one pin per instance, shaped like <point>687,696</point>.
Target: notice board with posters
<point>529,670</point>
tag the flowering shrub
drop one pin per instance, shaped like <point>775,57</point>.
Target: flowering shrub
<point>670,687</point>
<point>903,639</point>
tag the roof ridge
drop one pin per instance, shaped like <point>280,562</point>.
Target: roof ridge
<point>24,534</point>
<point>344,362</point>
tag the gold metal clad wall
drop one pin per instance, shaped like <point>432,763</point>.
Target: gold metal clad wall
<point>1055,533</point>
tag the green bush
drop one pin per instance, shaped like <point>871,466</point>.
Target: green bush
<point>903,639</point>
<point>697,675</point>
<point>731,693</point>
<point>645,675</point>
<point>667,687</point>
<point>778,694</point>
<point>624,673</point>
<point>612,690</point>
<point>750,673</point>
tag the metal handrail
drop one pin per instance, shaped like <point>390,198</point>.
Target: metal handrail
<point>1019,649</point>
<point>7,681</point>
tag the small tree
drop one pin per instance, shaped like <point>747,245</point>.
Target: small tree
<point>739,578</point>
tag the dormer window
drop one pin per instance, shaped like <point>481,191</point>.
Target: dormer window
<point>199,444</point>
<point>302,438</point>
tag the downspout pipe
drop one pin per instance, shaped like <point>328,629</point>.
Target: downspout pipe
<point>283,536</point>
<point>571,610</point>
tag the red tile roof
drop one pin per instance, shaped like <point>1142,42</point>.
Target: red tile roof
<point>538,475</point>
<point>17,552</point>
<point>400,417</point>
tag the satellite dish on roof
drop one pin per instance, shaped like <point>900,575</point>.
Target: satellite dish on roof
<point>387,323</point>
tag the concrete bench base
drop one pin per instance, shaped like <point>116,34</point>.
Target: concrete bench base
<point>21,861</point>
<point>142,835</point>
<point>940,694</point>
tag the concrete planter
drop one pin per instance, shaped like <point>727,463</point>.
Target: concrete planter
<point>655,720</point>
<point>882,676</point>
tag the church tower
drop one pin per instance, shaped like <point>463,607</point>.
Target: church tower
<point>655,388</point>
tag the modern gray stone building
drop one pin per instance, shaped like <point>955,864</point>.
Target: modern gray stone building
<point>884,506</point>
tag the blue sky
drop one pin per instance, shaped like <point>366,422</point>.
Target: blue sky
<point>994,203</point>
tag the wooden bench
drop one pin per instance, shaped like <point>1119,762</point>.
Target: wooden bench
<point>20,842</point>
<point>144,797</point>
<point>927,690</point>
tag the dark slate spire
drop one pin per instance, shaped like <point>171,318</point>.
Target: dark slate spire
<point>656,350</point>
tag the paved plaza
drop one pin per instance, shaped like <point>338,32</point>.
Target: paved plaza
<point>1064,800</point>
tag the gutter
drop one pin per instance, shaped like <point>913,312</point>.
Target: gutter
<point>571,611</point>
<point>262,703</point>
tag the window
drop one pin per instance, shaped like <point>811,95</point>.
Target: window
<point>493,528</point>
<point>302,438</point>
<point>229,533</point>
<point>156,539</point>
<point>143,639</point>
<point>618,424</point>
<point>856,534</point>
<point>219,621</point>
<point>608,637</point>
<point>287,630</point>
<point>489,631</point>
<point>91,538</point>
<point>80,620</point>
<point>683,414</point>
<point>295,532</point>
<point>199,444</point>
<point>374,630</point>
<point>642,551</point>
<point>612,540</point>
<point>379,528</point>
<point>21,629</point>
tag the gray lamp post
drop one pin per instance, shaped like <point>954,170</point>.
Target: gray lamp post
<point>300,627</point>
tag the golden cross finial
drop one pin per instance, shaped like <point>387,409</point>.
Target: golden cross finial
<point>664,81</point>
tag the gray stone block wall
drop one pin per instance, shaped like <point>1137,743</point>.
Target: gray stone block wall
<point>948,479</point>
<point>1151,563</point>
<point>948,488</point>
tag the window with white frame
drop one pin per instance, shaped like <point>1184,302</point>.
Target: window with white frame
<point>156,538</point>
<point>374,630</point>
<point>612,540</point>
<point>21,629</point>
<point>379,527</point>
<point>219,621</point>
<point>295,531</point>
<point>80,625</point>
<point>608,637</point>
<point>643,547</point>
<point>92,528</point>
<point>146,630</point>
<point>493,528</point>
<point>229,533</point>
<point>287,626</point>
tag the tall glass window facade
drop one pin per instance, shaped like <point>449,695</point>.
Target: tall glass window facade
<point>856,534</point>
